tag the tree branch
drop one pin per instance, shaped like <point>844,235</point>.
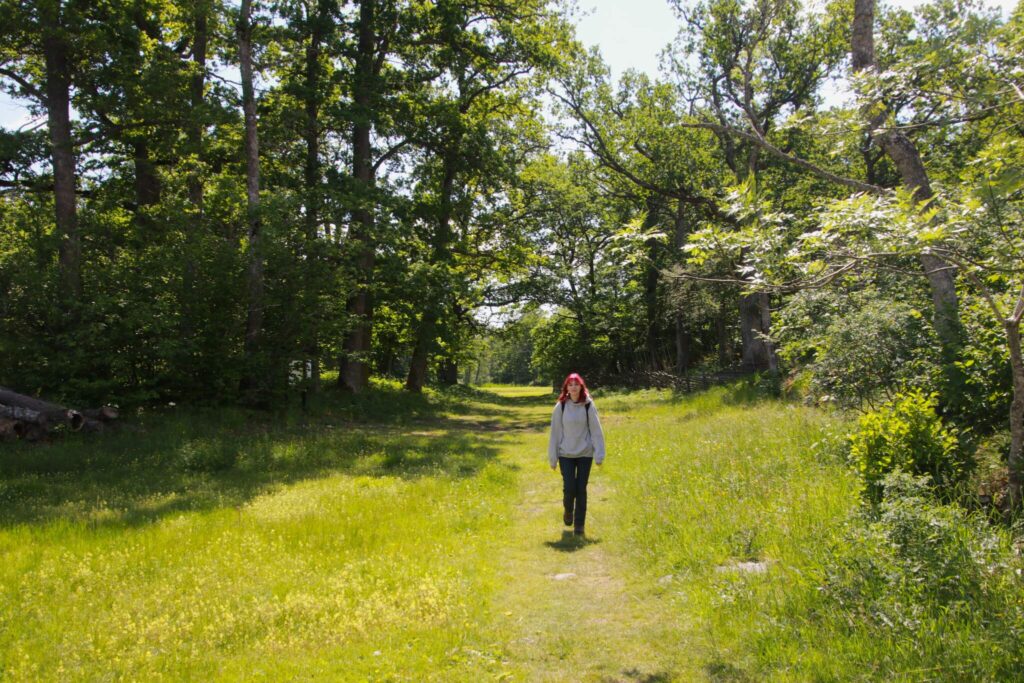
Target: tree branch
<point>25,84</point>
<point>391,153</point>
<point>797,161</point>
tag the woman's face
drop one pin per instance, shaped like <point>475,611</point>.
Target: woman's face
<point>574,388</point>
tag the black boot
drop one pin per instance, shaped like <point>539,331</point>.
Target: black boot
<point>567,517</point>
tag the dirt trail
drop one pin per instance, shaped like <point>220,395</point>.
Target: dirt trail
<point>580,612</point>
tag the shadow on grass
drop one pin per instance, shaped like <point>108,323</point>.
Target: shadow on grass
<point>488,402</point>
<point>726,672</point>
<point>199,460</point>
<point>643,677</point>
<point>570,542</point>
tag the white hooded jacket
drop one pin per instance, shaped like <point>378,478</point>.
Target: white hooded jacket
<point>575,432</point>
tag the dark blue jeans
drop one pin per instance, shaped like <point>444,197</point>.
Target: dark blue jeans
<point>575,472</point>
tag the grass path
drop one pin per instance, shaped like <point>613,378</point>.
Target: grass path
<point>578,610</point>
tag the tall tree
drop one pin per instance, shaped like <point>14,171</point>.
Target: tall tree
<point>252,380</point>
<point>374,29</point>
<point>755,64</point>
<point>634,134</point>
<point>200,20</point>
<point>482,53</point>
<point>39,59</point>
<point>905,155</point>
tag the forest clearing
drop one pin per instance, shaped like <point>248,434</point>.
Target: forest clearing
<point>429,547</point>
<point>285,286</point>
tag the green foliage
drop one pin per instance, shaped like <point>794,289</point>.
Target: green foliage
<point>560,347</point>
<point>919,567</point>
<point>906,434</point>
<point>990,471</point>
<point>859,346</point>
<point>511,351</point>
<point>981,398</point>
<point>162,208</point>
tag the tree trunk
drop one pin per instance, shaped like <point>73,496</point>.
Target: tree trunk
<point>447,372</point>
<point>754,327</point>
<point>197,95</point>
<point>194,181</point>
<point>907,159</point>
<point>58,113</point>
<point>15,406</point>
<point>682,335</point>
<point>682,344</point>
<point>147,183</point>
<point>651,304</point>
<point>725,350</point>
<point>254,314</point>
<point>355,367</point>
<point>1015,462</point>
<point>31,418</point>
<point>312,177</point>
<point>417,377</point>
<point>434,298</point>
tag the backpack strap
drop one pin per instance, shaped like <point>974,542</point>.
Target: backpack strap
<point>586,407</point>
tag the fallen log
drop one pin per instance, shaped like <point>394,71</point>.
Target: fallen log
<point>104,414</point>
<point>31,418</point>
<point>94,427</point>
<point>27,409</point>
<point>10,429</point>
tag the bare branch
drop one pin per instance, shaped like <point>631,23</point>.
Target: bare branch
<point>851,264</point>
<point>26,85</point>
<point>390,154</point>
<point>797,161</point>
<point>1018,310</point>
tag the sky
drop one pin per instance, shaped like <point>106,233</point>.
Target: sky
<point>629,33</point>
<point>632,33</point>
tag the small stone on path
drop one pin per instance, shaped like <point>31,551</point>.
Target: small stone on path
<point>665,580</point>
<point>744,567</point>
<point>563,577</point>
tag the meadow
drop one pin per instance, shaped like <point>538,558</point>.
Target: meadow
<point>397,537</point>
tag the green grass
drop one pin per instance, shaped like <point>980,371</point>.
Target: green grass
<point>327,541</point>
<point>396,537</point>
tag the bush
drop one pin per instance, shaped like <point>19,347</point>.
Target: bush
<point>991,474</point>
<point>858,346</point>
<point>978,388</point>
<point>931,585</point>
<point>871,351</point>
<point>906,434</point>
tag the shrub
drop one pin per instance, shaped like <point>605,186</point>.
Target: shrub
<point>978,389</point>
<point>931,584</point>
<point>991,474</point>
<point>906,434</point>
<point>559,348</point>
<point>859,347</point>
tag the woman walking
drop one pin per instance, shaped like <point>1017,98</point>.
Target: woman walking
<point>576,443</point>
